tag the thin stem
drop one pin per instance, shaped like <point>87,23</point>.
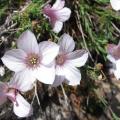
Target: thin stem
<point>65,96</point>
<point>37,94</point>
<point>23,9</point>
<point>33,99</point>
<point>85,43</point>
<point>45,4</point>
<point>82,33</point>
<point>117,29</point>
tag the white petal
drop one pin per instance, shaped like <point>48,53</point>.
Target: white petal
<point>45,74</point>
<point>23,81</point>
<point>118,63</point>
<point>58,80</point>
<point>63,14</point>
<point>49,51</point>
<point>21,107</point>
<point>66,43</point>
<point>59,70</point>
<point>57,27</point>
<point>59,4</point>
<point>73,75</point>
<point>3,98</point>
<point>115,4</point>
<point>114,50</point>
<point>2,71</point>
<point>77,58</point>
<point>14,60</point>
<point>3,88</point>
<point>111,59</point>
<point>27,42</point>
<point>111,48</point>
<point>117,74</point>
<point>116,70</point>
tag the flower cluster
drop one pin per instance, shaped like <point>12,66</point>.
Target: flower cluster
<point>47,62</point>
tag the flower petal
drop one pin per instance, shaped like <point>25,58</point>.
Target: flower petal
<point>73,75</point>
<point>3,87</point>
<point>58,80</point>
<point>23,81</point>
<point>111,59</point>
<point>110,48</point>
<point>114,50</point>
<point>3,90</point>
<point>49,13</point>
<point>116,70</point>
<point>66,43</point>
<point>63,14</point>
<point>57,26</point>
<point>49,51</point>
<point>14,59</point>
<point>115,4</point>
<point>3,98</point>
<point>21,107</point>
<point>27,42</point>
<point>2,71</point>
<point>11,95</point>
<point>59,4</point>
<point>45,74</point>
<point>77,58</point>
<point>59,70</point>
<point>117,74</point>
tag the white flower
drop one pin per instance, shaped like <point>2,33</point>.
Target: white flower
<point>114,57</point>
<point>32,61</point>
<point>115,4</point>
<point>20,106</point>
<point>57,14</point>
<point>68,60</point>
<point>2,71</point>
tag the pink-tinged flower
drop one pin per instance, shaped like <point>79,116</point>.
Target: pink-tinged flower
<point>115,4</point>
<point>68,60</point>
<point>114,56</point>
<point>20,106</point>
<point>57,14</point>
<point>32,61</point>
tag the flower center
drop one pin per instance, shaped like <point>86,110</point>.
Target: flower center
<point>32,60</point>
<point>60,59</point>
<point>11,93</point>
<point>50,13</point>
